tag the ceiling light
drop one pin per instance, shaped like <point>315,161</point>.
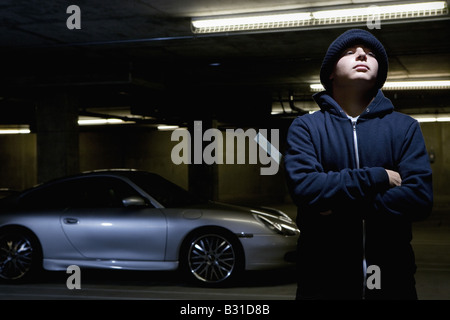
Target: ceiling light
<point>401,85</point>
<point>98,121</point>
<point>267,21</point>
<point>417,85</point>
<point>289,20</point>
<point>431,118</point>
<point>316,87</point>
<point>14,131</point>
<point>167,127</point>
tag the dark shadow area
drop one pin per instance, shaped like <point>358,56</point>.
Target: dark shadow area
<point>261,278</point>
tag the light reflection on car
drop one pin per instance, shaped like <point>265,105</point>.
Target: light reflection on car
<point>136,220</point>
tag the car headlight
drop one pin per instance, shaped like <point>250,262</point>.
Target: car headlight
<point>277,221</point>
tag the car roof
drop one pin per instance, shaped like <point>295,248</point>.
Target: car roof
<point>103,172</point>
<point>126,173</point>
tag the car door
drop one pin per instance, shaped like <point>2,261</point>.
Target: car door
<point>99,226</point>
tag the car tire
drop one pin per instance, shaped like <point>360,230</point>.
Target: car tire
<point>20,256</point>
<point>212,258</point>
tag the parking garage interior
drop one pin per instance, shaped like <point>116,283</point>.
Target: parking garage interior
<point>110,93</point>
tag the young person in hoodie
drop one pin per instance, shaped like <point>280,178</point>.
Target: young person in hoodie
<point>359,174</point>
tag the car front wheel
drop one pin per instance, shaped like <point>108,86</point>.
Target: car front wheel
<point>213,258</point>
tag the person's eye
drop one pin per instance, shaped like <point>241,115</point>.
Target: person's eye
<point>371,54</point>
<point>349,52</point>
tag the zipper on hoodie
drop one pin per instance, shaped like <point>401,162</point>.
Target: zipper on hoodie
<point>364,262</point>
<point>355,143</point>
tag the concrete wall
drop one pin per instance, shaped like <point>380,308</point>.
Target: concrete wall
<point>437,140</point>
<point>143,150</point>
<point>18,161</point>
<point>151,151</point>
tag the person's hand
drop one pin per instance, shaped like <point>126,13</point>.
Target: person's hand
<point>394,178</point>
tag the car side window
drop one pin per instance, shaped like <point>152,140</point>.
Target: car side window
<point>102,192</point>
<point>46,197</point>
<point>85,192</point>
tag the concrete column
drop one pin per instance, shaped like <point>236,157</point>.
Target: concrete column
<point>203,179</point>
<point>57,135</point>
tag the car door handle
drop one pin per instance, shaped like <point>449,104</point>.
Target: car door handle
<point>70,220</point>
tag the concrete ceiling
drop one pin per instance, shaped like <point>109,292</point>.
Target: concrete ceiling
<point>142,54</point>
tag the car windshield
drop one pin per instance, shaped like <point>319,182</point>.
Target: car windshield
<point>165,192</point>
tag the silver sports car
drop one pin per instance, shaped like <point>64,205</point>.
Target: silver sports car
<point>135,220</point>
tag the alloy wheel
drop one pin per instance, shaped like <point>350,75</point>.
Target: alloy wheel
<point>16,256</point>
<point>212,258</point>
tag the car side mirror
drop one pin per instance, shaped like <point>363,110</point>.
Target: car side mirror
<point>134,201</point>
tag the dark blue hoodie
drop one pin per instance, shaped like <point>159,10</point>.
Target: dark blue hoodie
<point>334,164</point>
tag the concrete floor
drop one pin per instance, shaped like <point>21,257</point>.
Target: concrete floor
<point>431,245</point>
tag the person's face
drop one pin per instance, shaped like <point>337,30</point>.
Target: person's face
<point>356,63</point>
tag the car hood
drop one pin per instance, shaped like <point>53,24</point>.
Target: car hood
<point>219,206</point>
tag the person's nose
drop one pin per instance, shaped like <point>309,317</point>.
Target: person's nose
<point>361,54</point>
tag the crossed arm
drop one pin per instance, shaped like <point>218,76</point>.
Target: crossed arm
<point>407,191</point>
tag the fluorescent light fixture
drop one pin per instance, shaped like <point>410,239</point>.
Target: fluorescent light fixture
<point>402,85</point>
<point>164,127</point>
<point>98,121</point>
<point>286,20</point>
<point>417,85</point>
<point>14,131</point>
<point>249,22</point>
<point>387,12</point>
<point>431,118</point>
<point>316,87</point>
